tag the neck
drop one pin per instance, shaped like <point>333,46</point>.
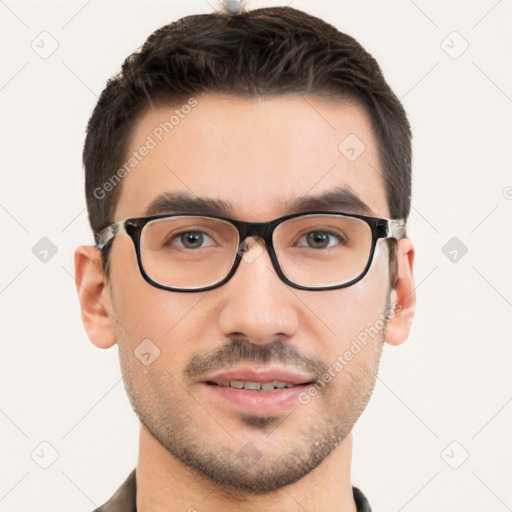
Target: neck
<point>164,483</point>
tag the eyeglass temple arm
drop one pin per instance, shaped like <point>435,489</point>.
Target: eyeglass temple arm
<point>106,235</point>
<point>396,228</point>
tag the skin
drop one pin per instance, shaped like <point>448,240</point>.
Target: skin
<point>243,151</point>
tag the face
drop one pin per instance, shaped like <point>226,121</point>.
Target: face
<point>255,155</point>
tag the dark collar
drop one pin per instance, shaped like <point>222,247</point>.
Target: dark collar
<point>124,499</point>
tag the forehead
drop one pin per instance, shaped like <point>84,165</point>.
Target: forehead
<point>257,158</point>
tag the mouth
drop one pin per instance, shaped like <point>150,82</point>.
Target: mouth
<point>259,378</point>
<point>272,385</point>
<point>257,391</point>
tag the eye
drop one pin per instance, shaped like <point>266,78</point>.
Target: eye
<point>322,239</point>
<point>190,239</point>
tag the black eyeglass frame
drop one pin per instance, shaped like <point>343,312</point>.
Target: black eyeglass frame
<point>380,228</point>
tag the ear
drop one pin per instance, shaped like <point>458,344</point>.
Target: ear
<point>94,296</point>
<point>403,295</point>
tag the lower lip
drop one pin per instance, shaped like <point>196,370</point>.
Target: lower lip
<point>257,402</point>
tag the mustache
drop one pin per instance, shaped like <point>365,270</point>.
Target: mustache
<point>243,350</point>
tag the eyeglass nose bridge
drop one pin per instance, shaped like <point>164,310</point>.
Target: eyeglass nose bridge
<point>261,230</point>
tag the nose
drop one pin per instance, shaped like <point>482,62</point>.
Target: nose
<point>255,302</point>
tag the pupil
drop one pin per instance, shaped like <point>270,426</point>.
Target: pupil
<point>192,238</point>
<point>317,238</point>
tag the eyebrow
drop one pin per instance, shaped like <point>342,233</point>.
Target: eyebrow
<point>339,199</point>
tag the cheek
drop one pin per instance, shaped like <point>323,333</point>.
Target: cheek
<point>345,313</point>
<point>169,319</point>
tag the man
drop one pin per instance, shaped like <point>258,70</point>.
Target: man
<point>248,180</point>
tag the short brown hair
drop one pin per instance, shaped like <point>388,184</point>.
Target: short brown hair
<point>264,52</point>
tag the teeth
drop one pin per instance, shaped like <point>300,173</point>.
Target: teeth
<point>256,386</point>
<point>252,385</point>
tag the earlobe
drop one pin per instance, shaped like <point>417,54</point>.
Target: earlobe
<point>403,296</point>
<point>94,296</point>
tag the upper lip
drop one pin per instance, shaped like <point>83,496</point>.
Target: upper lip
<point>260,374</point>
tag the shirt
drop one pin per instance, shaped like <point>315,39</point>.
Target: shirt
<point>124,499</point>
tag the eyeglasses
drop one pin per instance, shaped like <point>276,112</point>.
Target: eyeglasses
<point>318,250</point>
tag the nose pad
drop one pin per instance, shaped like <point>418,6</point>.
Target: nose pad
<point>250,249</point>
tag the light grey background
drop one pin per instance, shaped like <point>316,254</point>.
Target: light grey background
<point>443,395</point>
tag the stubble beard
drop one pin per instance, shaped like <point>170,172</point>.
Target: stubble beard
<point>249,470</point>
